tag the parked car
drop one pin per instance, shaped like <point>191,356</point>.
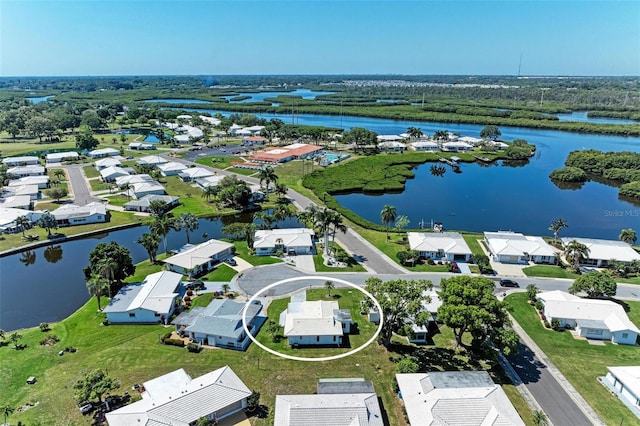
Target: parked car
<point>455,268</point>
<point>86,408</point>
<point>231,261</point>
<point>504,282</point>
<point>196,285</point>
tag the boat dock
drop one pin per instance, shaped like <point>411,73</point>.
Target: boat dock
<point>483,159</point>
<point>452,162</point>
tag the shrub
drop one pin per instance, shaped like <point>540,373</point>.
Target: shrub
<point>407,366</point>
<point>44,326</point>
<point>105,322</point>
<point>539,305</point>
<point>50,340</point>
<point>555,324</point>
<point>187,299</point>
<point>430,261</point>
<point>173,342</point>
<point>569,174</point>
<point>193,347</point>
<point>189,292</point>
<point>546,324</point>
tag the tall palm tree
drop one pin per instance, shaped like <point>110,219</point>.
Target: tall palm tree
<point>628,236</point>
<point>281,190</point>
<point>414,132</point>
<point>108,268</point>
<point>96,285</point>
<point>23,223</point>
<point>188,222</point>
<point>388,216</point>
<point>150,242</point>
<point>338,224</point>
<point>59,174</point>
<point>329,286</point>
<point>556,226</point>
<point>267,175</point>
<point>576,252</point>
<point>161,226</point>
<point>209,191</point>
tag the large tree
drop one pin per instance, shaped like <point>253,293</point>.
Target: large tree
<point>85,139</point>
<point>107,252</point>
<point>360,137</point>
<point>414,132</point>
<point>161,226</point>
<point>594,284</point>
<point>94,385</point>
<point>150,242</point>
<point>23,223</point>
<point>628,236</point>
<point>267,175</point>
<point>469,306</point>
<point>187,222</point>
<point>490,132</point>
<point>576,253</point>
<point>401,302</point>
<point>388,216</point>
<point>556,226</point>
<point>96,284</point>
<point>48,222</point>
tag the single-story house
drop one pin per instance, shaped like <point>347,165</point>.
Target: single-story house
<point>31,190</point>
<point>152,160</point>
<point>140,146</point>
<point>200,259</point>
<point>140,189</point>
<point>177,399</point>
<point>71,214</point>
<point>111,173</point>
<point>443,246</point>
<point>455,398</point>
<point>22,171</point>
<point>171,168</point>
<point>338,402</point>
<point>392,146</point>
<point>131,179</point>
<point>103,152</point>
<point>16,202</point>
<point>287,153</point>
<point>8,216</point>
<point>625,381</point>
<point>41,181</point>
<point>425,146</point>
<point>470,140</point>
<point>151,301</point>
<point>602,251</point>
<point>142,205</point>
<point>205,182</point>
<point>456,146</point>
<point>211,120</point>
<point>220,323</point>
<point>253,140</point>
<point>59,157</point>
<point>290,241</point>
<point>318,322</point>
<point>26,160</point>
<point>591,318</point>
<point>103,163</point>
<point>513,247</point>
<point>194,173</point>
<point>421,332</point>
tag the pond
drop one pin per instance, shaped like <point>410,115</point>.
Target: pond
<point>581,117</point>
<point>261,96</point>
<point>47,284</point>
<point>38,99</point>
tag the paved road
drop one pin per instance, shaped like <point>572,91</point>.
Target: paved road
<point>554,400</point>
<point>79,186</point>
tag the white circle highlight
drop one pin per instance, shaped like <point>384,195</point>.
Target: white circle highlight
<point>300,358</point>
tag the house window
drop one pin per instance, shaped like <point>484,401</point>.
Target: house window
<point>625,335</point>
<point>317,338</point>
<point>334,338</point>
<point>157,314</point>
<point>132,314</point>
<point>594,331</point>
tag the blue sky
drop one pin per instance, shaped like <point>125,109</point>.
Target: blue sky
<point>148,37</point>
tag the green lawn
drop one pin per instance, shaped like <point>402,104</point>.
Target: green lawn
<point>473,243</point>
<point>243,251</point>
<point>90,171</point>
<point>219,162</point>
<point>222,273</point>
<point>581,362</point>
<point>318,261</point>
<point>548,271</point>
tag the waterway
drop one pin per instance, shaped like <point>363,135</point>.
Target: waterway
<point>581,117</point>
<point>38,99</point>
<point>47,284</point>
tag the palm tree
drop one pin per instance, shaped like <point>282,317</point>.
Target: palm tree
<point>575,253</point>
<point>281,190</point>
<point>628,236</point>
<point>23,223</point>
<point>225,288</point>
<point>6,412</point>
<point>15,338</point>
<point>266,219</point>
<point>556,226</point>
<point>28,257</point>
<point>59,174</point>
<point>414,132</point>
<point>441,135</point>
<point>540,418</point>
<point>161,226</point>
<point>108,268</point>
<point>338,224</point>
<point>188,222</point>
<point>96,285</point>
<point>158,207</point>
<point>150,242</point>
<point>329,286</point>
<point>388,216</point>
<point>268,175</point>
<point>208,192</point>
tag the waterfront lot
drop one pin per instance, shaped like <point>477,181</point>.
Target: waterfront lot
<point>580,362</point>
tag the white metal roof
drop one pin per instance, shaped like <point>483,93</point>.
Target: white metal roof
<point>26,159</point>
<point>62,155</point>
<point>629,376</point>
<point>328,410</point>
<point>152,159</point>
<point>312,318</point>
<point>156,294</point>
<point>516,244</point>
<point>103,151</point>
<point>68,211</point>
<point>449,242</point>
<point>196,172</point>
<point>198,255</point>
<point>293,237</point>
<point>113,171</point>
<point>172,165</point>
<point>107,162</point>
<point>606,249</point>
<point>131,179</point>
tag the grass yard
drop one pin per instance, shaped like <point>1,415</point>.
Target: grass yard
<point>548,271</point>
<point>91,172</point>
<point>222,273</point>
<point>243,251</point>
<point>220,162</point>
<point>581,362</point>
<point>473,243</point>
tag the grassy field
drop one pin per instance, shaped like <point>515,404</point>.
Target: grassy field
<point>548,271</point>
<point>581,362</point>
<point>91,172</point>
<point>243,251</point>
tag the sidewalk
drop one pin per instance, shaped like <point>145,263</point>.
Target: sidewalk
<point>553,370</point>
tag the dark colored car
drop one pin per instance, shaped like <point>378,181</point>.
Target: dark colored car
<point>508,283</point>
<point>231,261</point>
<point>196,285</point>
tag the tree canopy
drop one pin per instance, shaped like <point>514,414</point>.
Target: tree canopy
<point>401,302</point>
<point>594,284</point>
<point>94,385</point>
<point>110,252</point>
<point>490,132</point>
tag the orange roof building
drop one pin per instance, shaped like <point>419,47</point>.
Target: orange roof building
<point>285,153</point>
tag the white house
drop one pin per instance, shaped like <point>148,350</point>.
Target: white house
<point>111,173</point>
<point>392,146</point>
<point>602,251</point>
<point>338,402</point>
<point>142,205</point>
<point>290,241</point>
<point>71,214</point>
<point>59,157</point>
<point>103,163</point>
<point>591,318</point>
<point>177,399</point>
<point>425,146</point>
<point>468,398</point>
<point>513,247</point>
<point>31,190</point>
<point>625,382</point>
<point>140,146</point>
<point>470,140</point>
<point>456,146</point>
<point>152,160</point>
<point>140,189</point>
<point>220,323</point>
<point>444,246</point>
<point>26,160</point>
<point>41,181</point>
<point>131,179</point>
<point>22,171</point>
<point>204,182</point>
<point>318,322</point>
<point>151,301</point>
<point>103,152</point>
<point>194,173</point>
<point>200,259</point>
<point>171,168</point>
<point>16,202</point>
<point>8,216</point>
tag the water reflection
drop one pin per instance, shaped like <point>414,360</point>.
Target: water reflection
<point>438,170</point>
<point>28,257</point>
<point>53,254</point>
